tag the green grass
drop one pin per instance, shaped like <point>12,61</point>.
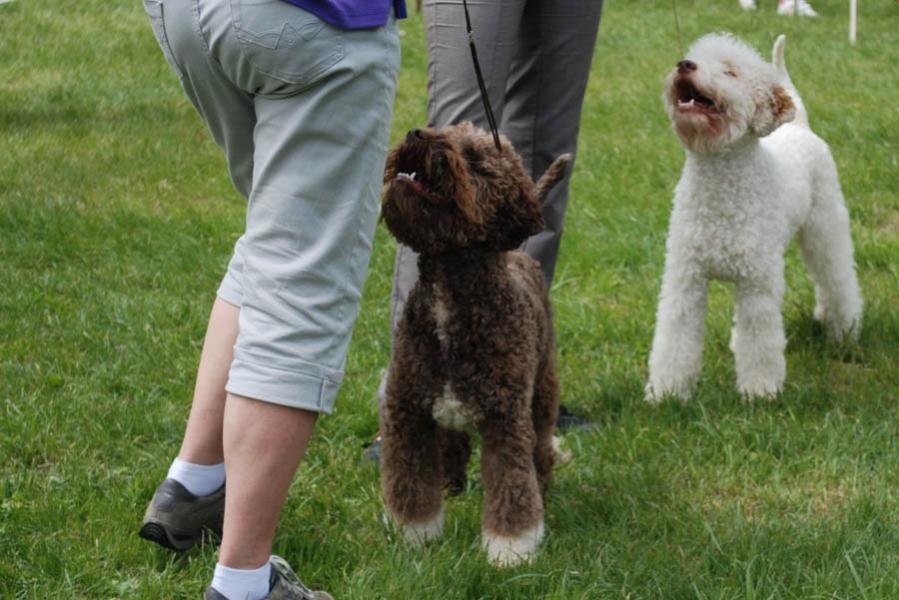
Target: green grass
<point>116,222</point>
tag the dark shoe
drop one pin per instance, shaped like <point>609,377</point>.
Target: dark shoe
<point>283,585</point>
<point>372,451</point>
<point>569,420</point>
<point>176,519</point>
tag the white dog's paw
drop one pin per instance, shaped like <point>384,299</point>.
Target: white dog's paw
<point>760,390</point>
<point>650,395</point>
<point>843,325</point>
<point>842,330</point>
<point>508,551</point>
<point>820,312</point>
<point>418,534</point>
<point>657,393</point>
<point>560,456</point>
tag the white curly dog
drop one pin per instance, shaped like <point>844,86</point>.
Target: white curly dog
<point>755,174</point>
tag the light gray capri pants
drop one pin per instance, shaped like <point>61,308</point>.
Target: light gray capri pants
<point>535,56</point>
<point>302,112</point>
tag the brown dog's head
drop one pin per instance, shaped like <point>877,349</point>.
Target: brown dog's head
<point>451,189</point>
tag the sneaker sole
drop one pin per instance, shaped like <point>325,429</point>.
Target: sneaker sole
<point>157,533</point>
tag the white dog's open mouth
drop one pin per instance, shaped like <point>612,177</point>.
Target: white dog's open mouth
<point>690,100</point>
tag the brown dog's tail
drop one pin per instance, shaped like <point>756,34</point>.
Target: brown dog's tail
<point>553,175</point>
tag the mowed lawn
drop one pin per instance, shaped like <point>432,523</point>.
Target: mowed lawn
<point>116,222</point>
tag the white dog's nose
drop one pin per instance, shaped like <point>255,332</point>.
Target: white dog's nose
<point>685,66</point>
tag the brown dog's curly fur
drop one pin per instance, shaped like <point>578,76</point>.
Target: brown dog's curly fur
<point>474,349</point>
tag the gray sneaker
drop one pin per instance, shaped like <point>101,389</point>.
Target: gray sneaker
<point>176,519</point>
<point>283,585</point>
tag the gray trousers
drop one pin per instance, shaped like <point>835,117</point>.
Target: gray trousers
<point>535,56</point>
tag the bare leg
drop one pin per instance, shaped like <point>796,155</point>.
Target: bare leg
<point>263,444</point>
<point>202,442</point>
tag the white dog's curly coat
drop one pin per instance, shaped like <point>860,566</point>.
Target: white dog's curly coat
<point>752,178</point>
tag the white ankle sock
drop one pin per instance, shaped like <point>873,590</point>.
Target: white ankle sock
<point>242,584</point>
<point>200,480</point>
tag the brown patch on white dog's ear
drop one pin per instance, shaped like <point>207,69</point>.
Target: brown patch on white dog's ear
<point>782,105</point>
<point>776,110</point>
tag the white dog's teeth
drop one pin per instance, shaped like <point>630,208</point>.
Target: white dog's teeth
<point>409,176</point>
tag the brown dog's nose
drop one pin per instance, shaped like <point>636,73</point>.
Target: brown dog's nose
<point>414,134</point>
<point>686,66</point>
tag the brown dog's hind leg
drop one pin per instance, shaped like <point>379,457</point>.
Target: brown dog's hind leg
<point>455,449</point>
<point>545,411</point>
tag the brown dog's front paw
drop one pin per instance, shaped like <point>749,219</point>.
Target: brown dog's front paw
<point>418,534</point>
<point>511,550</point>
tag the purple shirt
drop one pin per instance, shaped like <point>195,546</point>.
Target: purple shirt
<point>353,14</point>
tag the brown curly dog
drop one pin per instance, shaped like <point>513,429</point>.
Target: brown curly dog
<point>474,350</point>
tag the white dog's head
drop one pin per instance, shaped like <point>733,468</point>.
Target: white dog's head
<point>723,91</point>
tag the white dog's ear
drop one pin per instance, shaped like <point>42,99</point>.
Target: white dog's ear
<point>773,112</point>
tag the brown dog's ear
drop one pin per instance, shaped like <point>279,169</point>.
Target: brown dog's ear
<point>778,110</point>
<point>515,220</point>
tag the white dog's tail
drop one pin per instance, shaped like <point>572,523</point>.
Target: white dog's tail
<point>777,57</point>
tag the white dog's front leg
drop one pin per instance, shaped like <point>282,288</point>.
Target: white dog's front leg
<point>676,356</point>
<point>758,340</point>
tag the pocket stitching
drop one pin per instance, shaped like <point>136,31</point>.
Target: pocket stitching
<point>291,77</point>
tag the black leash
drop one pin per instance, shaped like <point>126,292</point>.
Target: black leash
<point>491,120</point>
